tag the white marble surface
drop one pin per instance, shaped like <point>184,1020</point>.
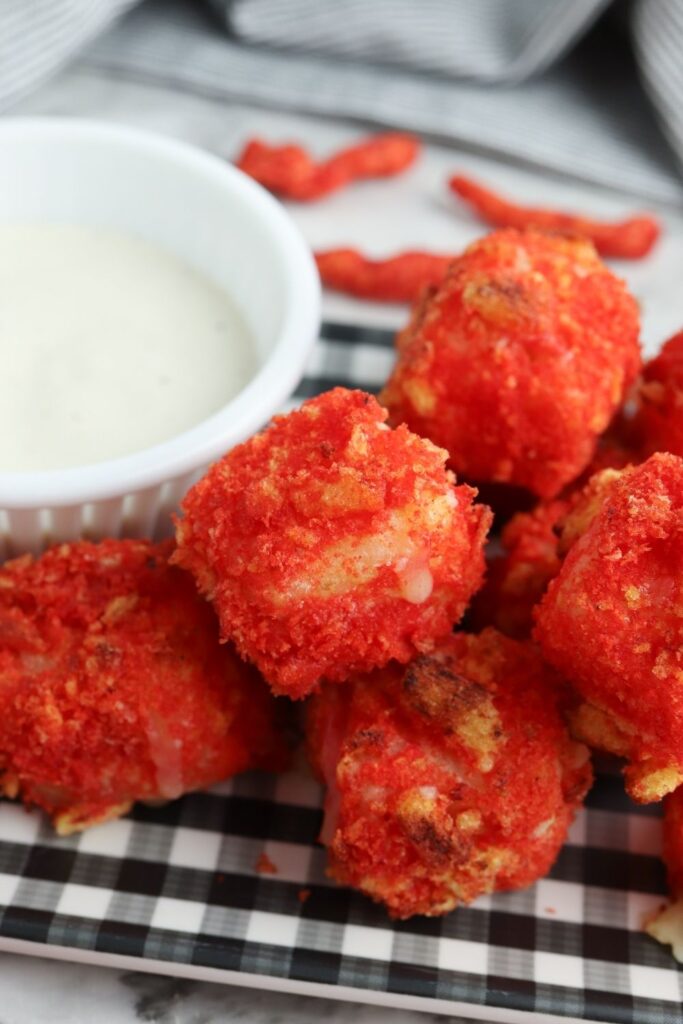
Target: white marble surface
<point>34,991</point>
<point>413,211</point>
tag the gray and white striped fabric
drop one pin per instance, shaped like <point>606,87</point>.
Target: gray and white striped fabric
<point>509,77</point>
<point>587,116</point>
<point>37,37</point>
<point>659,41</point>
<point>486,41</point>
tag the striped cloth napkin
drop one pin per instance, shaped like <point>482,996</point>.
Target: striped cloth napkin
<point>524,78</point>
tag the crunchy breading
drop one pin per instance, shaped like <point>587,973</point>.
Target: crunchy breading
<point>115,687</point>
<point>612,620</point>
<point>447,778</point>
<point>519,360</point>
<point>330,544</point>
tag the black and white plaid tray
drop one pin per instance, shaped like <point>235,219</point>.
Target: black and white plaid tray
<point>177,889</point>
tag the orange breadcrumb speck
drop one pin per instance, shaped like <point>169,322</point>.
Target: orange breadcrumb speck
<point>447,778</point>
<point>519,360</point>
<point>612,623</point>
<point>114,686</point>
<point>265,866</point>
<point>330,544</point>
<point>303,895</point>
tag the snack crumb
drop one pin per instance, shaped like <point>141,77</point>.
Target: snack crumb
<point>550,910</point>
<point>265,866</point>
<point>303,895</point>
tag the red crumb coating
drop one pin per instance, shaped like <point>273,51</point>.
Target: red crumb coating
<point>517,579</point>
<point>658,422</point>
<point>115,687</point>
<point>532,553</point>
<point>518,362</point>
<point>612,620</point>
<point>448,778</point>
<point>330,544</point>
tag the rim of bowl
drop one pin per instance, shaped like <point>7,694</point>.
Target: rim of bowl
<point>253,406</point>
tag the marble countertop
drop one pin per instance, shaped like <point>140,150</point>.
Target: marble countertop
<point>36,991</point>
<point>40,991</point>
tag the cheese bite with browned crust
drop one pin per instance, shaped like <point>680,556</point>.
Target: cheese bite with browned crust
<point>531,551</point>
<point>447,778</point>
<point>612,620</point>
<point>519,573</point>
<point>115,687</point>
<point>519,360</point>
<point>330,544</point>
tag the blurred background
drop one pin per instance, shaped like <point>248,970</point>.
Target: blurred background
<point>576,104</point>
<point>588,87</point>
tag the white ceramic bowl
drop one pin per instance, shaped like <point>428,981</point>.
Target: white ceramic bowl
<point>223,224</point>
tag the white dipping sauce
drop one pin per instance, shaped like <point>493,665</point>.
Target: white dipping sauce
<point>108,344</point>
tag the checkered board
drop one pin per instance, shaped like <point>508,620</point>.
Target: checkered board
<point>179,886</point>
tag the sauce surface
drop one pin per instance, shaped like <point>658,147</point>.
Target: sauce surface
<point>108,344</point>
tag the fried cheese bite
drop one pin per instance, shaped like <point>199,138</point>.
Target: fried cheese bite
<point>447,778</point>
<point>330,544</point>
<point>532,550</point>
<point>115,686</point>
<point>517,577</point>
<point>658,420</point>
<point>519,360</point>
<point>612,620</point>
<point>667,926</point>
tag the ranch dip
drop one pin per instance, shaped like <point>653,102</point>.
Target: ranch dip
<point>108,344</point>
